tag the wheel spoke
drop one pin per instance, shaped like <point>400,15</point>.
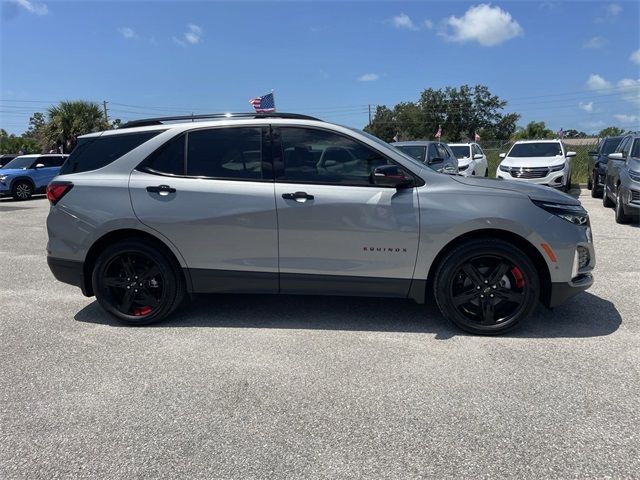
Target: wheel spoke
<point>487,312</point>
<point>127,301</point>
<point>115,282</point>
<point>464,297</point>
<point>472,272</point>
<point>509,295</point>
<point>149,274</point>
<point>126,265</point>
<point>498,273</point>
<point>148,299</point>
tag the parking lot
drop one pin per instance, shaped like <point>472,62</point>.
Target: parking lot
<point>314,387</point>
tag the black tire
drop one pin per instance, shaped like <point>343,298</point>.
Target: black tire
<point>486,172</point>
<point>474,300</point>
<point>137,282</point>
<point>596,191</point>
<point>567,187</point>
<point>590,182</point>
<point>606,201</point>
<point>621,217</point>
<point>22,190</point>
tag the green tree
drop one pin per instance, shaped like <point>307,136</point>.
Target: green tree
<point>460,112</point>
<point>15,144</point>
<point>69,120</point>
<point>610,132</point>
<point>534,130</point>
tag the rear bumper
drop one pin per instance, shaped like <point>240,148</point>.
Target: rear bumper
<point>68,271</point>
<point>561,292</point>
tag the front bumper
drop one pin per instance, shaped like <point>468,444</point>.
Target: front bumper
<point>552,179</point>
<point>68,271</point>
<point>561,292</point>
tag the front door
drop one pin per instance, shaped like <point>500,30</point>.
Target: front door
<point>216,206</point>
<point>339,233</point>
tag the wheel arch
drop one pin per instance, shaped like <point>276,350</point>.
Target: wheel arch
<point>520,242</point>
<point>21,178</point>
<point>124,234</point>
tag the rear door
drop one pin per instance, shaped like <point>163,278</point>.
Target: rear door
<point>339,233</point>
<point>211,193</point>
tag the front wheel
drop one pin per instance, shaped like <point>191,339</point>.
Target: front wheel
<point>137,283</point>
<point>606,201</point>
<point>22,190</point>
<point>486,286</point>
<point>621,217</point>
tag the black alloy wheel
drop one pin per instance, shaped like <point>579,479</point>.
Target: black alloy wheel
<point>22,190</point>
<point>137,283</point>
<point>486,286</point>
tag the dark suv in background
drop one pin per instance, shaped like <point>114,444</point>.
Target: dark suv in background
<point>435,155</point>
<point>598,160</point>
<point>622,182</point>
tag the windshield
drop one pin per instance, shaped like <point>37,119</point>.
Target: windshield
<point>20,162</point>
<point>382,143</point>
<point>610,145</point>
<point>417,152</point>
<point>461,151</point>
<point>535,150</point>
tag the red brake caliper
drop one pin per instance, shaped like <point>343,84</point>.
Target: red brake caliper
<point>140,311</point>
<point>517,274</point>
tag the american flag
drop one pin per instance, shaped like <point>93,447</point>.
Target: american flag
<point>477,137</point>
<point>561,134</point>
<point>439,132</point>
<point>264,104</point>
<point>396,137</point>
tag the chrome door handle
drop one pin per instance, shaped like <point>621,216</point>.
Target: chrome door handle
<point>161,189</point>
<point>298,196</point>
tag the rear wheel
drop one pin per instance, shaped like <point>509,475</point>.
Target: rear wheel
<point>486,286</point>
<point>596,191</point>
<point>137,283</point>
<point>621,217</point>
<point>22,190</point>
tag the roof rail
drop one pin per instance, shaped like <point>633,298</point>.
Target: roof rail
<point>185,118</point>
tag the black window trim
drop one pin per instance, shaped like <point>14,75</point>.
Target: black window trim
<point>266,156</point>
<point>279,166</point>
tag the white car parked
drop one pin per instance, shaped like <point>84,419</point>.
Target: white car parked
<point>545,162</point>
<point>471,159</point>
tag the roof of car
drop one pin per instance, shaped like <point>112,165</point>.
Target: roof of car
<point>542,140</point>
<point>465,144</point>
<point>417,143</point>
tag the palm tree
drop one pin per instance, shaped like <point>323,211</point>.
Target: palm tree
<point>70,119</point>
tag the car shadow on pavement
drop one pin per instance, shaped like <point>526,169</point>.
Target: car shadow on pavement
<point>584,316</point>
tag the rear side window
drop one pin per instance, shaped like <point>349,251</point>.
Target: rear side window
<point>97,152</point>
<point>229,153</point>
<point>52,160</point>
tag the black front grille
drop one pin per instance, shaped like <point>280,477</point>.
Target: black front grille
<point>635,196</point>
<point>533,172</point>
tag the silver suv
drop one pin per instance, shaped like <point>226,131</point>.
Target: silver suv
<point>147,215</point>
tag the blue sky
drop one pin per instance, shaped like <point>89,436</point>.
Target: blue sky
<point>570,64</point>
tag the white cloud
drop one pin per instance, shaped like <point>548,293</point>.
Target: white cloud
<point>586,106</point>
<point>596,82</point>
<point>32,7</point>
<point>428,24</point>
<point>403,21</point>
<point>595,42</point>
<point>627,88</point>
<point>369,77</point>
<point>622,118</point>
<point>484,24</point>
<point>614,9</point>
<point>193,35</point>
<point>127,32</point>
<point>635,56</point>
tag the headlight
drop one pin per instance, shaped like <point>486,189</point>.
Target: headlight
<point>632,174</point>
<point>571,213</point>
<point>3,177</point>
<point>556,168</point>
<point>504,168</point>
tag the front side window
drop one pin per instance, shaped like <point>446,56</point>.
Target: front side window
<point>51,160</point>
<point>20,163</point>
<point>414,151</point>
<point>442,151</point>
<point>318,156</point>
<point>542,149</point>
<point>433,152</point>
<point>622,145</point>
<point>635,152</point>
<point>609,146</point>
<point>460,151</point>
<point>228,153</point>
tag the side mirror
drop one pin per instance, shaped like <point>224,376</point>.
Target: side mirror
<point>570,154</point>
<point>390,176</point>
<point>40,165</point>
<point>477,156</point>
<point>616,156</point>
<point>502,155</point>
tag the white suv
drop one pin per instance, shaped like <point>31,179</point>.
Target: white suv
<point>471,159</point>
<point>545,162</point>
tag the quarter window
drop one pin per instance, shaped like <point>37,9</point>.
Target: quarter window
<point>317,156</point>
<point>168,159</point>
<point>51,160</point>
<point>230,153</point>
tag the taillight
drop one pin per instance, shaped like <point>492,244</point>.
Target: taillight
<point>57,190</point>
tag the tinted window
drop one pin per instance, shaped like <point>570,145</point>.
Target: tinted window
<point>610,145</point>
<point>627,147</point>
<point>621,146</point>
<point>20,162</point>
<point>96,152</point>
<point>535,150</point>
<point>168,159</point>
<point>52,160</point>
<point>460,151</point>
<point>636,149</point>
<point>225,153</point>
<point>433,151</point>
<point>414,151</point>
<point>477,150</point>
<point>442,151</point>
<point>317,156</point>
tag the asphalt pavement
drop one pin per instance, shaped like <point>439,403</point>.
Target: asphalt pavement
<point>292,387</point>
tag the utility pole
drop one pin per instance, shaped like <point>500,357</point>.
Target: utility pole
<point>106,115</point>
<point>369,114</point>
